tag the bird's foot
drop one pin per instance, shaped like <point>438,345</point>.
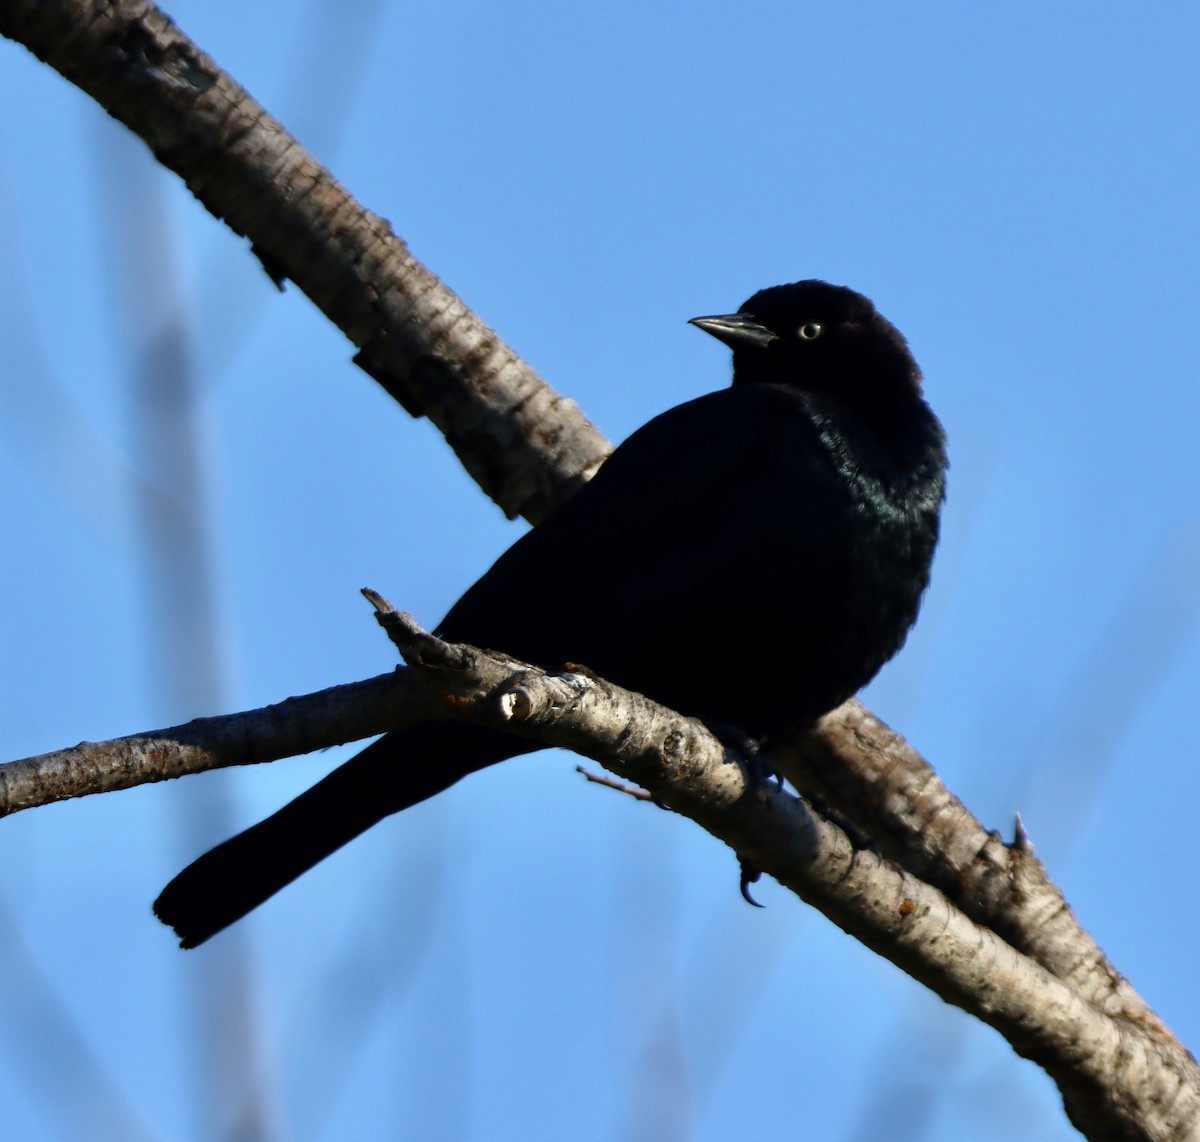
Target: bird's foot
<point>749,748</point>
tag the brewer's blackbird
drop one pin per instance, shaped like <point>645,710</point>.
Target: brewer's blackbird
<point>796,512</point>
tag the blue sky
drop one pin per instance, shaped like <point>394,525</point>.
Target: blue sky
<point>528,956</point>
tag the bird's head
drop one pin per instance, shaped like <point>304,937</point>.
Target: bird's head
<point>819,337</point>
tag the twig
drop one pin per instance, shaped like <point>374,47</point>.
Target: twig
<point>634,791</point>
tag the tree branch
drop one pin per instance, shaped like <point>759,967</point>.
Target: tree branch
<point>887,790</point>
<point>1122,1074</point>
<point>1120,1077</point>
<point>286,729</point>
<point>527,446</point>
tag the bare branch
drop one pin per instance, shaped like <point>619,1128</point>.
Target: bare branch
<point>1121,1072</point>
<point>634,791</point>
<point>285,729</point>
<point>527,446</point>
<point>1120,1077</point>
<point>876,779</point>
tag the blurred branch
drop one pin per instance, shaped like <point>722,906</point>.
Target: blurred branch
<point>54,1056</point>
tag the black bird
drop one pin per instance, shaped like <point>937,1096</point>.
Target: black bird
<point>796,511</point>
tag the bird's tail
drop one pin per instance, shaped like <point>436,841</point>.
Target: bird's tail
<point>400,770</point>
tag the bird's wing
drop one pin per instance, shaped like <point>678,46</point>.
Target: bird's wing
<point>733,476</point>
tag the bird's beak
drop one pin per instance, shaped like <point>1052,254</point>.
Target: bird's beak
<point>737,330</point>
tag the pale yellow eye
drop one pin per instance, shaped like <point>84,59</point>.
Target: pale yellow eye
<point>809,331</point>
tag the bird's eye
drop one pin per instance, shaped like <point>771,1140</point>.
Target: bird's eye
<point>809,331</point>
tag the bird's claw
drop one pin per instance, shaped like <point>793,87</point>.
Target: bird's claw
<point>749,876</point>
